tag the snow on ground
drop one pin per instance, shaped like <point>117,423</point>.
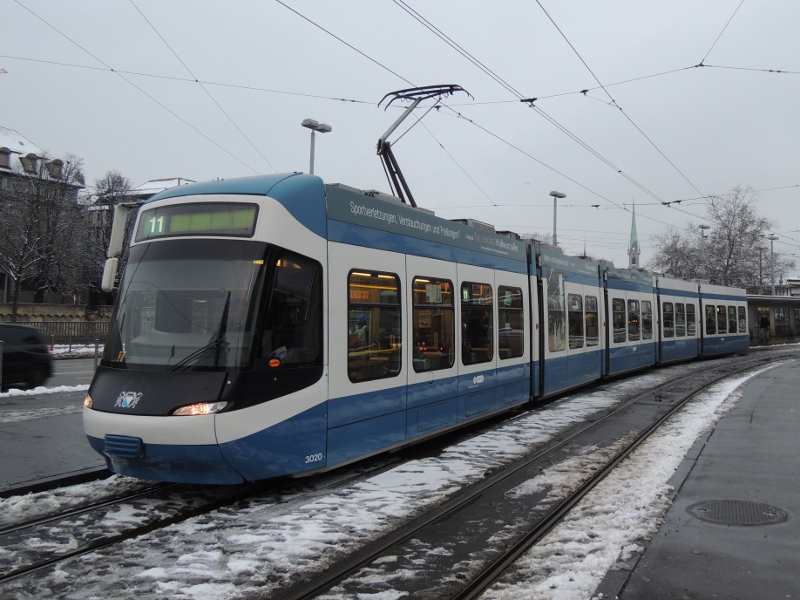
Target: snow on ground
<point>234,554</point>
<point>621,514</point>
<point>75,351</point>
<point>28,414</point>
<point>34,505</point>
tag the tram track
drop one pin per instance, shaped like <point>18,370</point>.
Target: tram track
<point>607,430</point>
<point>40,542</point>
<point>83,509</point>
<point>475,518</point>
<point>49,485</point>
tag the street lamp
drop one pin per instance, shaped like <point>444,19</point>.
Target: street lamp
<point>703,249</point>
<point>772,237</point>
<point>556,196</point>
<point>314,126</point>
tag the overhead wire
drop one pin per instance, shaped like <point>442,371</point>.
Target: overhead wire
<point>475,62</point>
<point>614,102</point>
<point>432,28</point>
<point>458,48</point>
<point>337,38</point>
<point>202,87</point>
<point>463,170</point>
<point>722,32</point>
<point>132,84</point>
<point>111,69</point>
<point>251,88</point>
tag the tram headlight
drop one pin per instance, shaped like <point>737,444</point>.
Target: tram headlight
<point>200,408</point>
<point>87,401</point>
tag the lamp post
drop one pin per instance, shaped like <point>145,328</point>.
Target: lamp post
<point>556,196</point>
<point>772,237</point>
<point>314,126</point>
<point>703,249</point>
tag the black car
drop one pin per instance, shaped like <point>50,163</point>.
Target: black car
<point>26,359</point>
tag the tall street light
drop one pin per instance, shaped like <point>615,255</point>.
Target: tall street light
<point>314,126</point>
<point>556,196</point>
<point>772,237</point>
<point>703,249</point>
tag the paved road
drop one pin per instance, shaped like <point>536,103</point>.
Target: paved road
<point>72,371</point>
<point>41,435</point>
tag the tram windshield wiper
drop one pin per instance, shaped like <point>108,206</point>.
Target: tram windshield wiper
<point>217,343</point>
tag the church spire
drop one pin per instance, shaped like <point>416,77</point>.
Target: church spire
<point>633,245</point>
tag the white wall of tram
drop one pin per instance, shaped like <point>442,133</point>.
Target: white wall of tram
<point>344,259</point>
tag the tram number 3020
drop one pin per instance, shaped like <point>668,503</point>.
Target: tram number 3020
<point>312,458</point>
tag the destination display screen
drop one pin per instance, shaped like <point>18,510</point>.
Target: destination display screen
<point>218,219</point>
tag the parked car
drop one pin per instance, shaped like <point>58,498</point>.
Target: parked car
<point>26,358</point>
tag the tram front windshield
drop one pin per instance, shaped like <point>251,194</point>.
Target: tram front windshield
<point>187,305</point>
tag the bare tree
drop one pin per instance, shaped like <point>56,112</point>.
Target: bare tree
<point>41,219</point>
<point>730,251</point>
<point>110,190</point>
<point>19,247</point>
<point>678,254</point>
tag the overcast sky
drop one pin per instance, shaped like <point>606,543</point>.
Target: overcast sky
<point>624,114</point>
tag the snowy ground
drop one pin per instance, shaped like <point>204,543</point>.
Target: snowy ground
<point>235,554</point>
<point>75,351</point>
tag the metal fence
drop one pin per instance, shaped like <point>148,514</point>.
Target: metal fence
<point>71,333</point>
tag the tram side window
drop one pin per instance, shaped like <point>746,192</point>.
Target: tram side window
<point>293,325</point>
<point>668,318</point>
<point>722,319</point>
<point>592,322</point>
<point>691,321</point>
<point>711,316</point>
<point>511,326</point>
<point>575,324</point>
<point>634,325</point>
<point>556,312</point>
<point>742,319</point>
<point>477,307</point>
<point>732,319</point>
<point>619,319</point>
<point>433,323</point>
<point>680,319</point>
<point>373,314</point>
<point>647,320</point>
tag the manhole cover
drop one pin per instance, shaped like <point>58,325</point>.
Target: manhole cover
<point>737,512</point>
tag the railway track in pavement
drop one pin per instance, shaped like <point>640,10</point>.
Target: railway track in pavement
<point>486,520</point>
<point>133,509</point>
<point>469,517</point>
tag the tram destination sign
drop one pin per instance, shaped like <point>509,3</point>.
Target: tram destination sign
<point>206,218</point>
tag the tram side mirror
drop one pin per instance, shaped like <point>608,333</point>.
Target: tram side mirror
<point>117,238</point>
<point>109,274</point>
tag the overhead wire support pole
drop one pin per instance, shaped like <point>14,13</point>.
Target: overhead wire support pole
<point>415,95</point>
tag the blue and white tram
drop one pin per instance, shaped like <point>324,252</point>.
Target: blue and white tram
<point>276,325</point>
<point>573,311</point>
<point>630,297</point>
<point>724,319</point>
<point>678,308</point>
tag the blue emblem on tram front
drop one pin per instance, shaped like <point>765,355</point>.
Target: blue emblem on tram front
<point>128,399</point>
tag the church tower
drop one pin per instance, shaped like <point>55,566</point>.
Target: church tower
<point>633,245</point>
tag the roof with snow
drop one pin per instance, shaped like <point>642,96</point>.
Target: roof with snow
<point>155,186</point>
<point>17,142</point>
